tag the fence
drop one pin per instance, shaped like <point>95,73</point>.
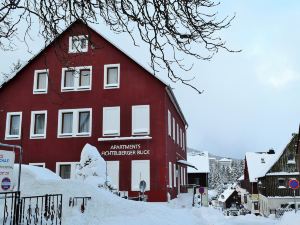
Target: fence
<point>32,210</point>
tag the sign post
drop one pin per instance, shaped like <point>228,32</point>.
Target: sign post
<point>7,160</point>
<point>294,184</point>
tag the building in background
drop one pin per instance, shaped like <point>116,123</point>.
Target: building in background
<point>199,174</point>
<point>224,162</point>
<point>83,89</point>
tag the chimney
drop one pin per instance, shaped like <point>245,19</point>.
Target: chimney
<point>271,151</point>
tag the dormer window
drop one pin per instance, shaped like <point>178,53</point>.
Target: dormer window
<point>40,82</point>
<point>111,76</point>
<point>78,44</point>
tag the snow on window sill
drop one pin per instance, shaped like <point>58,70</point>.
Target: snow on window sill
<point>281,187</point>
<point>291,162</point>
<point>124,138</point>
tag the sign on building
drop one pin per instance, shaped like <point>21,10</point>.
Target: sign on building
<point>7,160</point>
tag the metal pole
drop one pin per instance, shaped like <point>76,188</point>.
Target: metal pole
<point>20,159</point>
<point>295,201</point>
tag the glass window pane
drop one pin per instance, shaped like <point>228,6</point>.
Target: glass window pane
<point>83,43</point>
<point>84,122</point>
<point>67,123</point>
<point>41,80</point>
<point>39,124</point>
<point>14,125</point>
<point>84,79</point>
<point>112,75</point>
<point>75,43</point>
<point>65,171</point>
<point>69,78</point>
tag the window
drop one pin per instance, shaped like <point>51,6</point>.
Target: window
<point>281,183</point>
<point>13,125</point>
<point>76,78</point>
<point>177,134</point>
<point>140,170</point>
<point>38,124</point>
<point>40,82</point>
<point>38,164</point>
<point>111,121</point>
<point>183,141</point>
<point>140,120</point>
<point>78,44</point>
<point>113,170</point>
<point>291,159</point>
<point>174,130</point>
<point>111,76</point>
<point>74,122</point>
<point>175,174</point>
<point>169,124</point>
<point>180,136</point>
<point>66,170</point>
<point>170,175</point>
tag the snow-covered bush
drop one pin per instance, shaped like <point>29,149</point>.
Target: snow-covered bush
<point>92,168</point>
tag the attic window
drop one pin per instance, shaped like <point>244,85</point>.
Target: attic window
<point>40,82</point>
<point>281,183</point>
<point>291,159</point>
<point>78,44</point>
<point>111,76</point>
<point>262,160</point>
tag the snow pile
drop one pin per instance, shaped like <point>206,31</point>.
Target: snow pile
<point>290,218</point>
<point>92,168</point>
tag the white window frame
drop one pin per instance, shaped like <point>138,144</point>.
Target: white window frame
<point>7,129</point>
<point>174,130</point>
<point>79,49</point>
<point>183,139</point>
<point>76,86</point>
<point>177,134</point>
<point>73,168</point>
<point>108,134</point>
<point>170,175</point>
<point>35,78</point>
<point>38,164</point>
<point>132,121</point>
<point>180,137</point>
<point>32,125</point>
<point>75,123</point>
<point>148,184</point>
<point>174,174</point>
<point>169,123</point>
<point>111,86</point>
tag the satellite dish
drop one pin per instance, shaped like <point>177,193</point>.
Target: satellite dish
<point>142,186</point>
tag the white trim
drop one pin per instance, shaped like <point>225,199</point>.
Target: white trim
<point>40,91</point>
<point>143,131</point>
<point>174,129</point>
<point>170,175</point>
<point>73,168</point>
<point>76,86</point>
<point>110,133</point>
<point>7,128</point>
<point>177,136</point>
<point>75,123</point>
<point>32,125</point>
<point>169,123</point>
<point>111,86</point>
<point>38,164</point>
<point>79,49</point>
<point>174,174</point>
<point>125,138</point>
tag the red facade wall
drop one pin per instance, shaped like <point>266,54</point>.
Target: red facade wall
<point>137,87</point>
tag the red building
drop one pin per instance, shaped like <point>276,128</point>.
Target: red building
<point>83,89</point>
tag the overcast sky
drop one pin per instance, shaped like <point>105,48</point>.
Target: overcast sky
<point>251,99</point>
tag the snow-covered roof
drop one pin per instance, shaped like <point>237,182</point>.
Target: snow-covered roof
<point>259,164</point>
<point>200,160</point>
<point>225,160</point>
<point>226,194</point>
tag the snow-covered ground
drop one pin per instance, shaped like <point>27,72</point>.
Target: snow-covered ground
<point>109,209</point>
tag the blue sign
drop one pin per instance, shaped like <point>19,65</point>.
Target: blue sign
<point>294,184</point>
<point>5,183</point>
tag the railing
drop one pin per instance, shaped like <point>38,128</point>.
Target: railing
<point>73,201</point>
<point>9,207</point>
<point>41,210</point>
